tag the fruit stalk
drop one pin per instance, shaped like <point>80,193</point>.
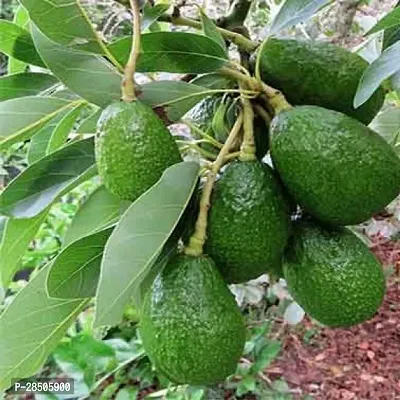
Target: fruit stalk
<point>248,148</point>
<point>197,240</point>
<point>128,83</point>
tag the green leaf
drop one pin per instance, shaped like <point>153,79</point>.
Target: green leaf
<point>41,183</point>
<point>64,22</point>
<point>182,96</point>
<point>213,81</point>
<point>246,385</point>
<point>21,18</point>
<point>151,14</point>
<point>139,238</point>
<point>18,233</point>
<point>89,125</point>
<point>388,21</point>
<point>64,128</point>
<point>40,140</point>
<point>21,118</point>
<point>169,249</point>
<point>211,30</point>
<point>75,272</point>
<point>391,35</point>
<point>395,81</point>
<point>266,356</point>
<point>101,209</point>
<point>3,221</point>
<point>387,124</point>
<point>31,327</point>
<point>24,84</point>
<point>178,52</point>
<point>66,94</point>
<point>382,68</point>
<point>81,353</point>
<point>16,42</point>
<point>294,11</point>
<point>88,75</point>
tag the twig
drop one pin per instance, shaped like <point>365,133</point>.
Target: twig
<point>263,113</point>
<point>203,134</point>
<point>197,148</point>
<point>232,156</point>
<point>196,242</point>
<point>236,38</point>
<point>275,97</point>
<point>128,83</point>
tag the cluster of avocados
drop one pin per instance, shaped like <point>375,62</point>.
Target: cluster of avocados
<point>326,161</point>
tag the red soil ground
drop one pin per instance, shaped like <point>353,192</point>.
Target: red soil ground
<point>361,363</point>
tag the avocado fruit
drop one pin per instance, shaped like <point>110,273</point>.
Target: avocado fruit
<point>337,169</point>
<point>133,148</point>
<point>202,115</point>
<point>317,73</point>
<point>249,222</point>
<point>332,274</point>
<point>191,326</point>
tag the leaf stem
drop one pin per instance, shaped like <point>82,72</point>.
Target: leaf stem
<point>196,242</point>
<point>111,57</point>
<point>203,134</point>
<point>128,83</point>
<point>232,156</point>
<point>196,147</point>
<point>236,38</point>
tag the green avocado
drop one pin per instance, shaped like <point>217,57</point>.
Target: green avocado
<point>334,167</point>
<point>202,116</point>
<point>317,73</point>
<point>249,222</point>
<point>191,327</point>
<point>333,275</point>
<point>133,148</point>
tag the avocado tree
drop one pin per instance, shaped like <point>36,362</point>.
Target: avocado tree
<point>174,219</point>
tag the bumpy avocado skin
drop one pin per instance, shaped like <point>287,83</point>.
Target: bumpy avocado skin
<point>203,112</point>
<point>191,327</point>
<point>202,115</point>
<point>317,73</point>
<point>333,275</point>
<point>133,148</point>
<point>249,222</point>
<point>336,168</point>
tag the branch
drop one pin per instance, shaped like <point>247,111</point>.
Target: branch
<point>238,12</point>
<point>236,16</point>
<point>234,37</point>
<point>345,14</point>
